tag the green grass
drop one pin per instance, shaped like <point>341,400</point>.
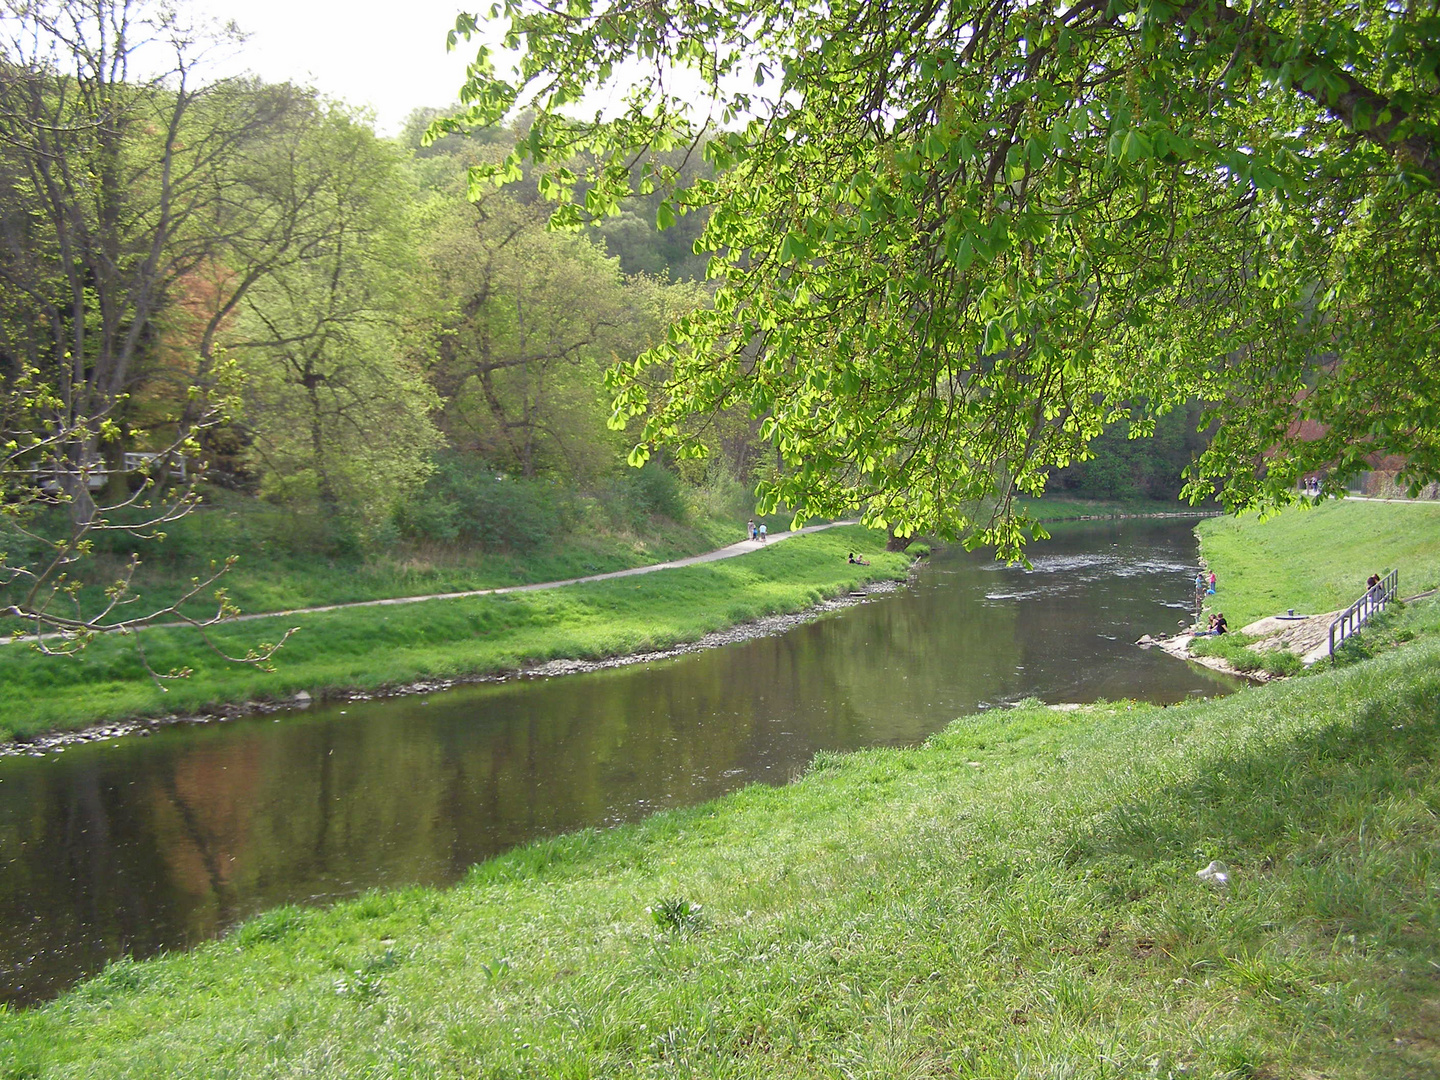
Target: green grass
<point>373,647</point>
<point>1316,560</point>
<point>1399,624</point>
<point>283,565</point>
<point>1234,649</point>
<point>1012,899</point>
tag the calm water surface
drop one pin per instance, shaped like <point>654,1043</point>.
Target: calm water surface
<point>139,845</point>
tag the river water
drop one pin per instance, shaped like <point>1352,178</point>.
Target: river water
<point>138,845</point>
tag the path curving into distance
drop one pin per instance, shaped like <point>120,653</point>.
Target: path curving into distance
<point>743,547</point>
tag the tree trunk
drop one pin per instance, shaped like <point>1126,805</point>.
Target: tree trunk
<point>898,543</point>
<point>324,488</point>
<point>75,480</point>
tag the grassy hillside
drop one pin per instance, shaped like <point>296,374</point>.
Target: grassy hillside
<point>290,560</point>
<point>1011,899</point>
<point>1317,559</point>
<point>371,647</point>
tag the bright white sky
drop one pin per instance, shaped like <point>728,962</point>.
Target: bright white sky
<point>389,56</point>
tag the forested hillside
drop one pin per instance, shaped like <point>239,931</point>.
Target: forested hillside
<point>232,301</point>
<point>242,284</point>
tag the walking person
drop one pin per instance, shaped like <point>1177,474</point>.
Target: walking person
<point>763,532</point>
<point>750,533</point>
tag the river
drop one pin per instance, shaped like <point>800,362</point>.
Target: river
<point>139,845</point>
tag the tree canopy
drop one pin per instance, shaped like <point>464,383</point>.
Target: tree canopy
<point>217,279</point>
<point>953,241</point>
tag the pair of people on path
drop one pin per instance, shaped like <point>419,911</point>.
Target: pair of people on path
<point>757,532</point>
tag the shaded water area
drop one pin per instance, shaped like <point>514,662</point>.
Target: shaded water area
<point>139,845</point>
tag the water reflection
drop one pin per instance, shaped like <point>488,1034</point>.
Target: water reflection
<point>140,845</point>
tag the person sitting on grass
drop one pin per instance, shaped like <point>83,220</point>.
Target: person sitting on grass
<point>858,561</point>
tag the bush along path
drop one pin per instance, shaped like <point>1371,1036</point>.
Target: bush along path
<point>377,647</point>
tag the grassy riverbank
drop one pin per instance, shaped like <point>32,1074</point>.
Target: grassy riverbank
<point>1317,559</point>
<point>1010,899</point>
<point>291,560</point>
<point>371,647</point>
<point>1013,898</point>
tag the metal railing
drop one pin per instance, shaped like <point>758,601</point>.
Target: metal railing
<point>174,463</point>
<point>1360,612</point>
<point>96,472</point>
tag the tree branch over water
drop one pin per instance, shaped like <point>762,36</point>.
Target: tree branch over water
<point>952,243</point>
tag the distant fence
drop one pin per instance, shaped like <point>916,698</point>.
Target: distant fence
<point>1360,612</point>
<point>48,475</point>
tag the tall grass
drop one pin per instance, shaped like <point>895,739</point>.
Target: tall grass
<point>289,559</point>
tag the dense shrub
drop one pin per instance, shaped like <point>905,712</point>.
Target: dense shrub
<point>636,495</point>
<point>721,495</point>
<point>466,501</point>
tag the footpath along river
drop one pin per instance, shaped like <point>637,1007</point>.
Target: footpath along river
<point>133,846</point>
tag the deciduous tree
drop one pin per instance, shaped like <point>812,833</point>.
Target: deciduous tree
<point>335,398</point>
<point>531,320</point>
<point>954,240</point>
<point>124,174</point>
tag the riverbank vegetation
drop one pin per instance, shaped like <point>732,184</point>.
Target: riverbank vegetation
<point>373,647</point>
<point>1317,559</point>
<point>534,531</point>
<point>1307,560</point>
<point>388,387</point>
<point>1006,899</point>
<point>1082,507</point>
<point>1234,649</point>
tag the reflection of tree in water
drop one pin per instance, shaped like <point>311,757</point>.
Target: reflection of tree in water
<point>145,844</point>
<point>205,805</point>
<point>906,661</point>
<point>81,863</point>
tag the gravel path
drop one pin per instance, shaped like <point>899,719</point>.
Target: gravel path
<point>744,547</point>
<point>56,742</point>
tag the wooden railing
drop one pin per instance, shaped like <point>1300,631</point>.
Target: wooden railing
<point>1360,612</point>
